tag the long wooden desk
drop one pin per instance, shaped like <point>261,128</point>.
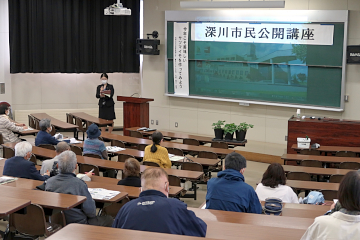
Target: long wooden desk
<point>88,118</point>
<point>325,159</point>
<point>315,170</point>
<point>82,231</point>
<point>133,192</point>
<point>311,185</point>
<point>190,175</point>
<point>59,125</point>
<point>176,135</point>
<point>27,132</point>
<point>31,184</point>
<point>10,205</point>
<point>181,146</point>
<point>140,154</point>
<point>252,219</point>
<point>215,230</point>
<point>330,149</point>
<point>45,199</point>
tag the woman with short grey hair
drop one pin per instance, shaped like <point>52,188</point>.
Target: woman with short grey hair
<point>44,136</point>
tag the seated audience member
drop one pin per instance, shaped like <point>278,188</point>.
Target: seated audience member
<point>7,126</point>
<point>229,192</point>
<point>153,211</point>
<point>345,223</point>
<point>44,136</point>
<point>92,144</point>
<point>156,153</point>
<point>20,166</point>
<point>131,173</point>
<point>273,185</point>
<point>67,182</point>
<point>48,165</point>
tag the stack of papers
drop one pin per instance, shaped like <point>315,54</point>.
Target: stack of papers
<point>102,194</point>
<point>114,149</point>
<point>28,129</point>
<point>4,179</point>
<point>176,158</point>
<point>73,140</point>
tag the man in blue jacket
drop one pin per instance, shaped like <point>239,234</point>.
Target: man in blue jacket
<point>229,192</point>
<point>153,211</point>
<point>44,136</point>
<point>20,166</point>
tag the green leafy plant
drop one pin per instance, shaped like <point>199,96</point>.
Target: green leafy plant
<point>244,126</point>
<point>218,124</point>
<point>230,128</point>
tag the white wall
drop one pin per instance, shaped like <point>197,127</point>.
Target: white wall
<point>54,90</point>
<point>196,116</point>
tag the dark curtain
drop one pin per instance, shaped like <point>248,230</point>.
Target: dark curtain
<point>72,36</point>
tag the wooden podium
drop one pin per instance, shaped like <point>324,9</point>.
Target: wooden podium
<point>326,132</point>
<point>135,112</point>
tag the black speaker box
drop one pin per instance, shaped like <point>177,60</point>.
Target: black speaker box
<point>147,46</point>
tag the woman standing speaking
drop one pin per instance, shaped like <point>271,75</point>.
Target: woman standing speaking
<point>105,93</point>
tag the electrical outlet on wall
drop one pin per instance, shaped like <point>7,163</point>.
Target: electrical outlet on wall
<point>152,122</point>
<point>285,138</point>
<point>176,124</point>
<point>157,122</point>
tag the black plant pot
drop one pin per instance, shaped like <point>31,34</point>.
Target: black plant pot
<point>229,136</point>
<point>240,135</point>
<point>219,133</point>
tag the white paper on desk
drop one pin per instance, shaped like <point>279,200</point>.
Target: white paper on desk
<point>5,179</point>
<point>176,158</point>
<point>171,155</point>
<point>102,194</point>
<point>204,207</point>
<point>73,140</point>
<point>114,149</point>
<point>28,129</point>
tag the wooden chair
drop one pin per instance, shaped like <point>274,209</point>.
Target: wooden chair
<point>330,195</point>
<point>349,165</point>
<point>302,176</point>
<point>69,118</point>
<point>81,127</point>
<point>193,166</point>
<point>152,164</point>
<point>53,130</point>
<point>33,159</point>
<point>204,154</point>
<point>219,145</point>
<point>124,157</point>
<point>91,155</point>
<point>8,152</point>
<point>345,154</point>
<point>77,150</point>
<point>141,147</point>
<point>309,152</point>
<point>136,134</point>
<point>311,163</point>
<point>33,222</point>
<point>1,139</point>
<point>336,178</point>
<point>175,151</point>
<point>37,126</point>
<point>117,143</point>
<point>84,167</point>
<point>190,141</point>
<point>47,146</point>
<point>174,181</point>
<point>31,122</point>
<point>114,208</point>
<point>101,139</point>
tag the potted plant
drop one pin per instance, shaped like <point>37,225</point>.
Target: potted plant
<point>218,130</point>
<point>229,130</point>
<point>241,131</point>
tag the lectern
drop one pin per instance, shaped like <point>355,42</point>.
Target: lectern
<point>135,112</point>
